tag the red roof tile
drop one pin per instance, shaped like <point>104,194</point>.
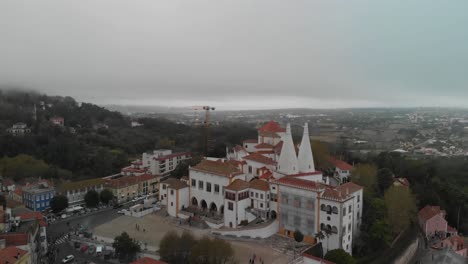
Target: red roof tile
<point>30,216</point>
<point>217,168</point>
<point>349,187</point>
<point>266,176</point>
<point>259,185</point>
<point>15,239</point>
<point>10,254</point>
<point>147,260</point>
<point>429,211</point>
<point>238,148</point>
<point>342,165</point>
<point>129,180</point>
<point>250,141</point>
<point>19,191</point>
<point>237,185</point>
<point>298,183</point>
<point>260,158</point>
<point>271,126</point>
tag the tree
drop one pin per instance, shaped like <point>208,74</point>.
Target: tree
<point>321,154</point>
<point>365,175</point>
<point>126,247</point>
<point>384,179</point>
<point>106,196</point>
<point>298,236</point>
<point>380,235</point>
<point>168,247</point>
<point>339,256</point>
<point>58,203</point>
<point>401,208</point>
<point>212,251</point>
<point>91,198</point>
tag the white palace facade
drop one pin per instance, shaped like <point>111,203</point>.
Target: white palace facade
<point>272,180</point>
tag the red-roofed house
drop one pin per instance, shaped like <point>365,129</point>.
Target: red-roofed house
<point>14,255</point>
<point>456,243</point>
<point>342,170</point>
<point>58,121</point>
<point>432,220</point>
<point>147,260</point>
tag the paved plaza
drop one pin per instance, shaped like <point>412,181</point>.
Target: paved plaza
<point>152,228</point>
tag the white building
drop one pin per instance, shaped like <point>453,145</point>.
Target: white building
<point>174,194</point>
<point>161,162</point>
<point>342,170</point>
<point>270,179</point>
<point>19,129</point>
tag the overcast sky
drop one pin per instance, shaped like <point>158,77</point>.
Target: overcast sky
<point>242,54</point>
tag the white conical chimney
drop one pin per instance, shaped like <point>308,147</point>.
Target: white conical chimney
<point>305,157</point>
<point>287,163</point>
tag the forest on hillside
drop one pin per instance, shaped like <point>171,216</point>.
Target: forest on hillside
<point>100,142</point>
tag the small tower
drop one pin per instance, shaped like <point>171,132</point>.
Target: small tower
<point>305,157</point>
<point>287,163</point>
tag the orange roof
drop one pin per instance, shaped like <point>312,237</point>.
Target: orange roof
<point>237,185</point>
<point>349,187</point>
<point>131,169</point>
<point>129,180</point>
<point>264,145</point>
<point>147,260</point>
<point>298,183</point>
<point>268,134</point>
<point>238,148</point>
<point>217,167</point>
<point>342,165</point>
<point>15,239</point>
<point>271,126</point>
<point>429,211</point>
<point>10,254</point>
<point>260,158</point>
<point>266,176</point>
<point>259,185</point>
<point>19,191</point>
<point>250,141</point>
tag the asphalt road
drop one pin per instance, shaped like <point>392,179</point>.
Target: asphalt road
<point>59,229</point>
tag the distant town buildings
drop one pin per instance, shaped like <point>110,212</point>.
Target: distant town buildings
<point>161,162</point>
<point>75,191</point>
<point>342,170</point>
<point>58,121</point>
<point>19,129</point>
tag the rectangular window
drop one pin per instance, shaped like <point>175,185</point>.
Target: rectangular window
<point>164,186</point>
<point>172,192</point>
<point>261,196</point>
<point>310,204</point>
<point>358,214</point>
<point>344,211</point>
<point>194,183</point>
<point>216,188</point>
<point>251,194</point>
<point>200,185</point>
<point>349,209</point>
<point>250,169</point>
<point>358,198</point>
<point>208,187</point>
<point>297,202</point>
<point>349,227</point>
<point>261,205</point>
<point>256,195</point>
<point>230,206</point>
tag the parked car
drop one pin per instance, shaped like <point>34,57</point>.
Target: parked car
<point>68,259</point>
<point>121,212</point>
<point>91,249</point>
<point>83,248</point>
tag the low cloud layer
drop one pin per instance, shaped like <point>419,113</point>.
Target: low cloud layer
<point>239,54</point>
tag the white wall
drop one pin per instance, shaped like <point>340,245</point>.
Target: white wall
<point>202,194</point>
<point>263,232</point>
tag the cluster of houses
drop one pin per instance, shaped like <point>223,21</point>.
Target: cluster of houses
<point>270,180</point>
<point>432,221</point>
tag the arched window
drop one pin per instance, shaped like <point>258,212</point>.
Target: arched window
<point>322,226</point>
<point>322,207</point>
<point>329,209</point>
<point>334,229</point>
<point>329,227</point>
<point>335,210</point>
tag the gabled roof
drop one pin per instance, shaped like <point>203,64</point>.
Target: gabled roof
<point>266,176</point>
<point>238,148</point>
<point>11,255</point>
<point>237,185</point>
<point>349,187</point>
<point>69,186</point>
<point>271,126</point>
<point>257,157</point>
<point>429,211</point>
<point>259,185</point>
<point>175,184</point>
<point>299,183</point>
<point>340,164</point>
<point>15,239</point>
<point>217,167</point>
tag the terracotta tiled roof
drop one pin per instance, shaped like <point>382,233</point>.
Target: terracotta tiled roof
<point>10,255</point>
<point>237,163</point>
<point>238,148</point>
<point>217,167</point>
<point>264,145</point>
<point>305,174</point>
<point>147,260</point>
<point>342,165</point>
<point>271,126</point>
<point>259,185</point>
<point>129,180</point>
<point>266,176</point>
<point>298,183</point>
<point>457,239</point>
<point>10,203</point>
<point>19,191</point>
<point>429,211</point>
<point>451,229</point>
<point>137,170</point>
<point>333,194</point>
<point>266,152</point>
<point>260,158</point>
<point>15,239</point>
<point>30,216</point>
<point>70,186</point>
<point>349,187</point>
<point>237,185</point>
<point>175,183</point>
<point>250,141</point>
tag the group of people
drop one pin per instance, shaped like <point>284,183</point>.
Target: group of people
<point>137,227</point>
<point>254,259</point>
